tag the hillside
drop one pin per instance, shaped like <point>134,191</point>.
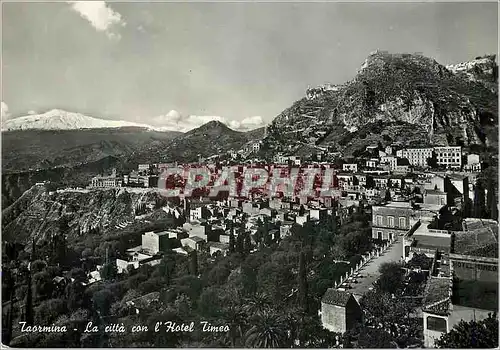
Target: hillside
<point>41,149</point>
<point>39,213</point>
<point>209,139</point>
<point>15,183</point>
<point>394,97</point>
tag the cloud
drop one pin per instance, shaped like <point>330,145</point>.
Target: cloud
<point>173,120</point>
<point>5,111</point>
<point>252,122</point>
<point>247,123</point>
<point>100,15</point>
<point>31,112</point>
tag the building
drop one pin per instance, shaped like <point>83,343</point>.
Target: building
<point>215,247</point>
<point>319,214</point>
<point>470,290</point>
<point>155,242</point>
<point>391,161</point>
<point>198,213</point>
<point>371,163</point>
<point>194,242</point>
<point>416,156</point>
<point>474,256</point>
<point>449,157</point>
<point>402,165</point>
<point>351,167</point>
<point>473,163</point>
<point>398,218</point>
<point>339,311</point>
<point>435,197</point>
<point>106,181</point>
<point>143,167</point>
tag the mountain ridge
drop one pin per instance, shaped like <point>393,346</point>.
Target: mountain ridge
<point>393,89</point>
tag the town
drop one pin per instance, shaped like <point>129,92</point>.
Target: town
<point>425,217</point>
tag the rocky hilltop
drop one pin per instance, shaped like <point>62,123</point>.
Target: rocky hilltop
<point>39,213</point>
<point>396,97</point>
<point>207,140</point>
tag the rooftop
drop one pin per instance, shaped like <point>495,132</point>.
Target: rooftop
<point>482,242</point>
<point>336,297</point>
<point>437,296</point>
<point>218,245</point>
<point>196,239</point>
<point>434,192</point>
<point>431,242</point>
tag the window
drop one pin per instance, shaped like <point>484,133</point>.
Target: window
<point>436,324</point>
<point>391,221</point>
<point>379,220</point>
<point>402,222</point>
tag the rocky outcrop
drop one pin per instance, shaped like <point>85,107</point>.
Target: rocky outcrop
<point>38,213</point>
<point>444,103</point>
<point>482,69</point>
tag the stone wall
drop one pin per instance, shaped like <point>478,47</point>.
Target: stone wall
<point>333,317</point>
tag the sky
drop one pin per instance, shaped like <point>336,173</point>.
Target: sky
<point>239,62</point>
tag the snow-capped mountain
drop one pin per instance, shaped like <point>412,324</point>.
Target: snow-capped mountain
<point>58,119</point>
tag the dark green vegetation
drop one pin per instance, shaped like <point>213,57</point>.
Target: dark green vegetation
<point>474,334</point>
<point>89,215</point>
<point>390,312</point>
<point>268,298</point>
<point>41,149</point>
<point>209,139</point>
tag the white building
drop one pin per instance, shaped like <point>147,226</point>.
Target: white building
<point>194,242</point>
<point>106,181</point>
<point>389,160</point>
<point>154,242</point>
<point>143,167</point>
<point>350,167</point>
<point>416,156</point>
<point>371,163</point>
<point>473,163</point>
<point>450,157</point>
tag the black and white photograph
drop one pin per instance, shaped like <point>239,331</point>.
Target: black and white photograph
<point>249,174</point>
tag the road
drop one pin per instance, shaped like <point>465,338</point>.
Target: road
<point>370,272</point>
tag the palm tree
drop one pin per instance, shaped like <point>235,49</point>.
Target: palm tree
<point>236,319</point>
<point>260,302</point>
<point>267,331</point>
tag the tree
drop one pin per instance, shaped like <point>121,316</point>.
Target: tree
<point>473,334</point>
<point>193,263</point>
<point>48,311</point>
<point>302,210</point>
<point>7,334</point>
<point>247,243</point>
<point>232,243</point>
<point>387,196</point>
<point>240,242</point>
<point>302,282</point>
<point>478,201</point>
<point>29,316</point>
<point>102,301</point>
<point>490,200</point>
<point>391,278</point>
<point>109,271</point>
<point>267,331</point>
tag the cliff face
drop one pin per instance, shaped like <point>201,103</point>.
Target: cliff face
<point>38,213</point>
<point>445,104</point>
<point>482,69</point>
